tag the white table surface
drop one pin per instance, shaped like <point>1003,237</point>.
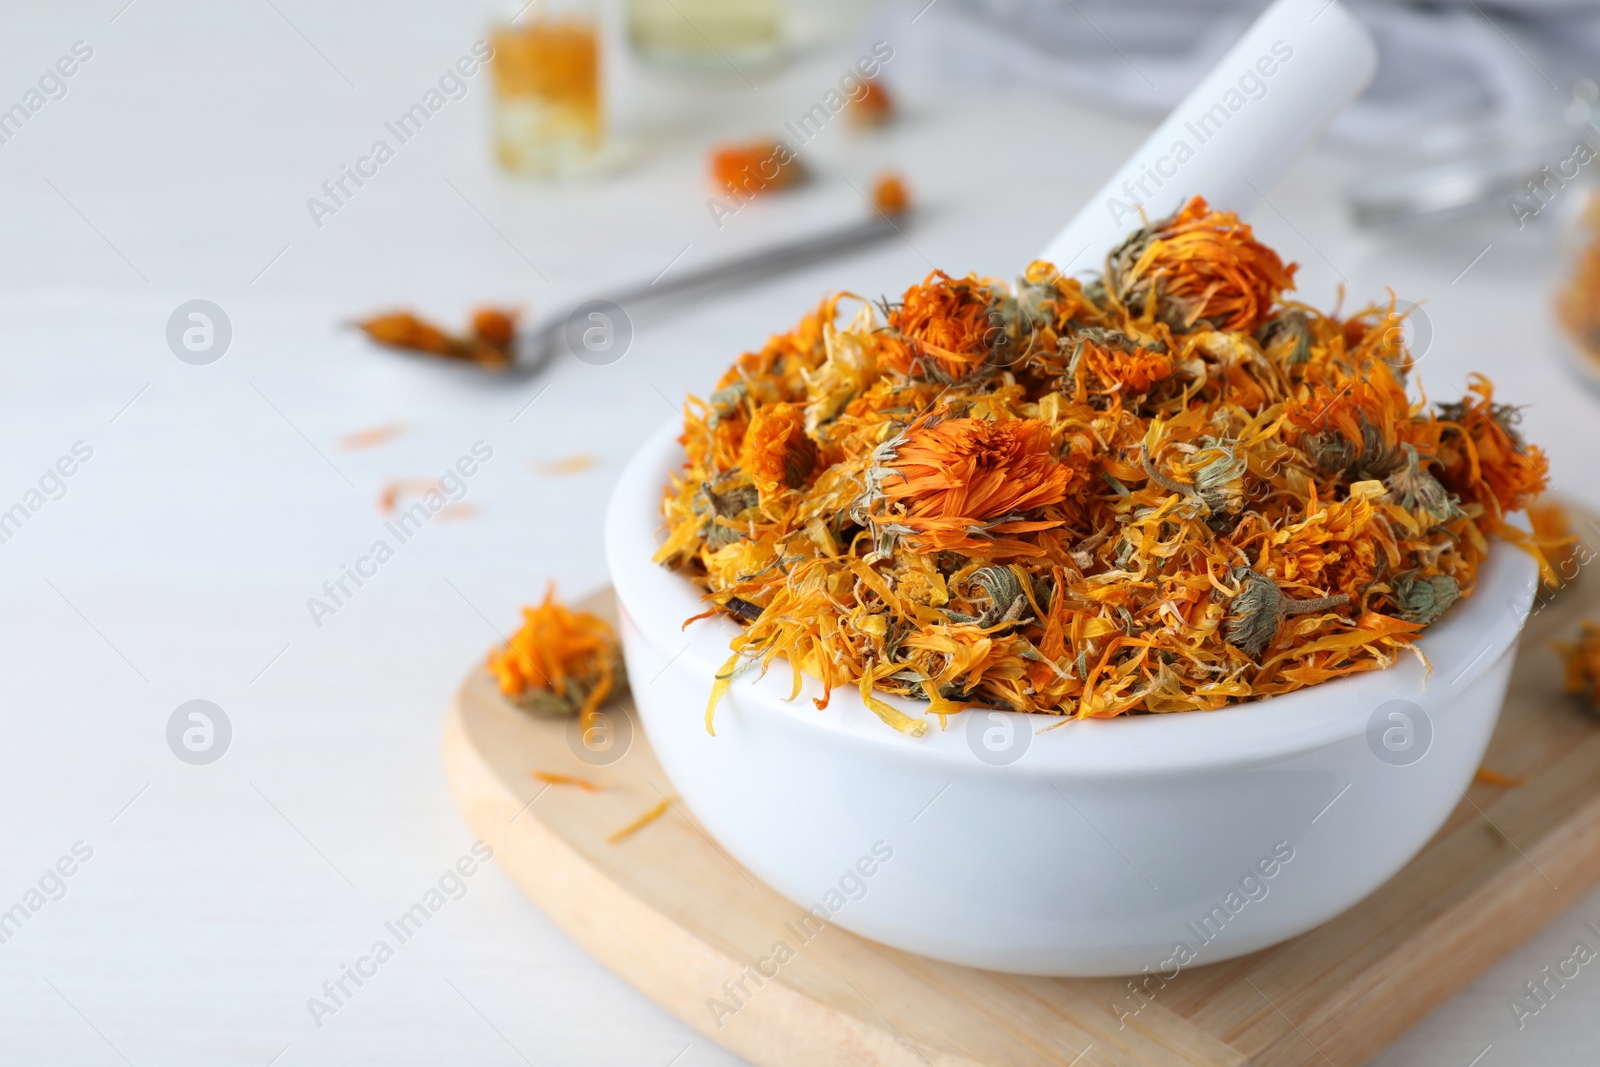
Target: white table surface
<point>179,561</point>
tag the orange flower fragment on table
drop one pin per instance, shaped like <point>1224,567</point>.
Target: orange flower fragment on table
<point>372,437</point>
<point>576,463</point>
<point>1167,488</point>
<point>1582,659</point>
<point>890,196</point>
<point>641,822</point>
<point>396,490</point>
<point>554,778</point>
<point>1484,776</point>
<point>560,663</point>
<point>489,344</point>
<point>746,170</point>
<point>399,489</point>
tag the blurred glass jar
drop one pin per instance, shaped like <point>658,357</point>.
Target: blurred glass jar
<point>706,35</point>
<point>548,116</point>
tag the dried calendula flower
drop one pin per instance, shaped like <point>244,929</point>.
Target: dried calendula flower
<point>998,591</point>
<point>1106,361</point>
<point>495,328</point>
<point>1417,490</point>
<point>1199,265</point>
<point>560,663</point>
<point>721,504</point>
<point>873,106</point>
<point>945,328</point>
<point>1582,659</point>
<point>776,453</point>
<point>962,479</point>
<point>1218,473</point>
<point>1164,490</point>
<point>745,170</point>
<point>1290,332</point>
<point>890,195</point>
<point>1259,608</point>
<point>1215,476</point>
<point>1423,600</point>
<point>401,329</point>
<point>1352,428</point>
<point>1482,448</point>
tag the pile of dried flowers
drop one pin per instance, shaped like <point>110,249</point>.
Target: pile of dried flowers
<point>1165,489</point>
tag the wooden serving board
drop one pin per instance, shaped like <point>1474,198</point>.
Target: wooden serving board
<point>672,913</point>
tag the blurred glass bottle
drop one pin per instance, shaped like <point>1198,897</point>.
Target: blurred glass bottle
<point>706,34</point>
<point>548,116</point>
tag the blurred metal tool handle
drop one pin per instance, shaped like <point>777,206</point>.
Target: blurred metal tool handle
<point>537,345</point>
<point>764,262</point>
<point>1270,97</point>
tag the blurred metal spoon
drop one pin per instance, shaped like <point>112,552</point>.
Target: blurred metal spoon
<point>567,328</point>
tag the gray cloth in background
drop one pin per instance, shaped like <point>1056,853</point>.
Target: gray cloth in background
<point>1450,74</point>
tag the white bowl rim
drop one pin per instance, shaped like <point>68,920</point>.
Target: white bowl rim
<point>1475,634</point>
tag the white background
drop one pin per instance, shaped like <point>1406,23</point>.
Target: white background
<point>178,563</point>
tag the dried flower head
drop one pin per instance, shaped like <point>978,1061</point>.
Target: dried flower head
<point>1485,459</point>
<point>945,328</point>
<point>874,106</point>
<point>746,170</point>
<point>1199,265</point>
<point>1582,660</point>
<point>997,591</point>
<point>890,195</point>
<point>494,327</point>
<point>560,662</point>
<point>1109,361</point>
<point>1417,490</point>
<point>721,505</point>
<point>1259,608</point>
<point>1212,477</point>
<point>1288,335</point>
<point>1423,600</point>
<point>964,478</point>
<point>776,453</point>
